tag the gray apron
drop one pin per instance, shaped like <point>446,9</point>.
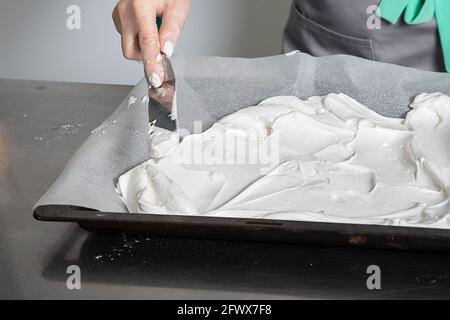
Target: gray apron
<point>326,27</point>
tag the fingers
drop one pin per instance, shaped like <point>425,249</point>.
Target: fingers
<point>115,17</point>
<point>148,37</point>
<point>125,25</point>
<point>130,46</point>
<point>174,16</point>
<point>136,22</point>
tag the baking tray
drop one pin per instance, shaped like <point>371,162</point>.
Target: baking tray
<point>262,230</point>
<point>209,88</point>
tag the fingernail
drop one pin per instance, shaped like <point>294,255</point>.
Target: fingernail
<point>159,58</point>
<point>169,48</point>
<point>155,80</point>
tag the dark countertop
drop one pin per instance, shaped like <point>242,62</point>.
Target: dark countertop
<point>41,126</point>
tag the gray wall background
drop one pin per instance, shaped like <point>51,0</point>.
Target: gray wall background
<point>36,44</point>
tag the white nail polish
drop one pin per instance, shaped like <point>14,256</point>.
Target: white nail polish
<point>155,80</point>
<point>159,58</point>
<point>169,48</point>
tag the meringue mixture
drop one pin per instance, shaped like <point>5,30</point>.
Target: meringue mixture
<point>324,159</point>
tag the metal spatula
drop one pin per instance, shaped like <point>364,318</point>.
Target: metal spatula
<point>162,104</point>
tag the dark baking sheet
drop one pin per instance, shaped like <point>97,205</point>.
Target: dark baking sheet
<point>208,89</point>
<point>264,230</point>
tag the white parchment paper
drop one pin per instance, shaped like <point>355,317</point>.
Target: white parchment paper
<point>209,88</point>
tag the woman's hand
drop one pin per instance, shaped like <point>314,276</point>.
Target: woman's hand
<point>136,22</point>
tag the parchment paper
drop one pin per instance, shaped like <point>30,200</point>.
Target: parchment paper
<point>209,88</point>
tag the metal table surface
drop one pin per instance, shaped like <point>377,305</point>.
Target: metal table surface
<point>41,126</point>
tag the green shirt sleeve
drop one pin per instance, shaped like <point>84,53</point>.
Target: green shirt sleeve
<point>418,12</point>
